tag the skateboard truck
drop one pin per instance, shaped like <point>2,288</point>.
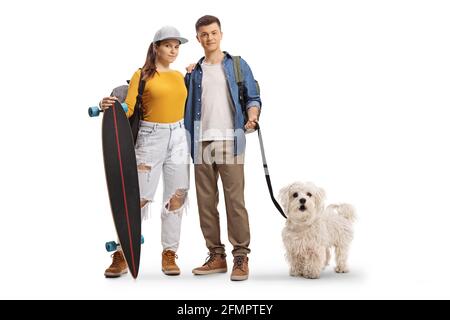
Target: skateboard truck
<point>112,245</point>
<point>95,111</point>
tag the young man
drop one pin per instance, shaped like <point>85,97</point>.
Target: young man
<point>215,121</point>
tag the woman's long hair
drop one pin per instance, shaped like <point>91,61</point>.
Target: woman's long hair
<point>149,68</point>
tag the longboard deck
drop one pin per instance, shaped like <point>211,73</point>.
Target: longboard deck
<point>123,184</point>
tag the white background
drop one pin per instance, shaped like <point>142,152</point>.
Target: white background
<point>355,98</point>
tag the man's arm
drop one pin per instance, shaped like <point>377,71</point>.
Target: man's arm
<point>251,93</point>
<point>187,79</point>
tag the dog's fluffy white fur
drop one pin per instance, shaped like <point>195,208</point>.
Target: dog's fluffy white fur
<point>311,230</point>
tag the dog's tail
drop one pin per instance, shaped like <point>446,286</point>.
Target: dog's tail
<point>345,210</point>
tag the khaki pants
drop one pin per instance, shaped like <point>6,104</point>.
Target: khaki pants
<point>218,159</point>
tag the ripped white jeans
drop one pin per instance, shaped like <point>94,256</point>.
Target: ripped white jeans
<point>163,148</point>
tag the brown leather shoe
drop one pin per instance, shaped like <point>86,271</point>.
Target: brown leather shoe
<point>216,264</point>
<point>240,268</point>
<point>169,266</point>
<point>118,266</point>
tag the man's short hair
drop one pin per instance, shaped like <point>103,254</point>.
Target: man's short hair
<point>206,21</point>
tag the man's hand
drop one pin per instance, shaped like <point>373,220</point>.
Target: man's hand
<point>252,123</point>
<point>107,102</point>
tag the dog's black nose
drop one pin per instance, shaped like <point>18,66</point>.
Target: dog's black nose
<point>302,200</point>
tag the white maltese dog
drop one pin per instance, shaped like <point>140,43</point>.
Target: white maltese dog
<point>311,230</point>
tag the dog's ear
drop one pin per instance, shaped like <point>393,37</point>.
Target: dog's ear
<point>283,197</point>
<point>320,196</point>
<point>321,193</point>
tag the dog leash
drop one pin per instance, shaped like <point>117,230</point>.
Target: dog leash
<point>266,171</point>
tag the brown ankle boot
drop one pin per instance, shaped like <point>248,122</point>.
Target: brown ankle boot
<point>118,266</point>
<point>169,266</point>
<point>216,264</point>
<point>240,268</point>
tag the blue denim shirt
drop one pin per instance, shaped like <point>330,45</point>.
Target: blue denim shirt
<point>193,109</point>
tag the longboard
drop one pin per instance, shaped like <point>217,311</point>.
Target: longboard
<point>122,181</point>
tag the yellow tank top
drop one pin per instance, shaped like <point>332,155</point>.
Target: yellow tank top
<point>163,99</point>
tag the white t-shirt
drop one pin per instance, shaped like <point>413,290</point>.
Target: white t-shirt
<point>217,106</point>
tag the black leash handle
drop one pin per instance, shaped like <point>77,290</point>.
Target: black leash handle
<point>266,171</point>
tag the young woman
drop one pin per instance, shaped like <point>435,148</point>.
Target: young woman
<point>161,145</point>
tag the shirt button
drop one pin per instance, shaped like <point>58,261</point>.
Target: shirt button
<point>198,99</point>
<point>199,86</point>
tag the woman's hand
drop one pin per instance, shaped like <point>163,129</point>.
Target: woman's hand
<point>190,67</point>
<point>107,102</point>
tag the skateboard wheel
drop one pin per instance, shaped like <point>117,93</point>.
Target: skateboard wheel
<point>111,246</point>
<point>94,111</point>
<point>125,107</point>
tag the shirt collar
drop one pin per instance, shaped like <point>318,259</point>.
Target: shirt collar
<point>227,56</point>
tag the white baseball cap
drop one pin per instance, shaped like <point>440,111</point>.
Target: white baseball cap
<point>168,32</point>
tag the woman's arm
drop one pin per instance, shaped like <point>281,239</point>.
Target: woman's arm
<point>132,92</point>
